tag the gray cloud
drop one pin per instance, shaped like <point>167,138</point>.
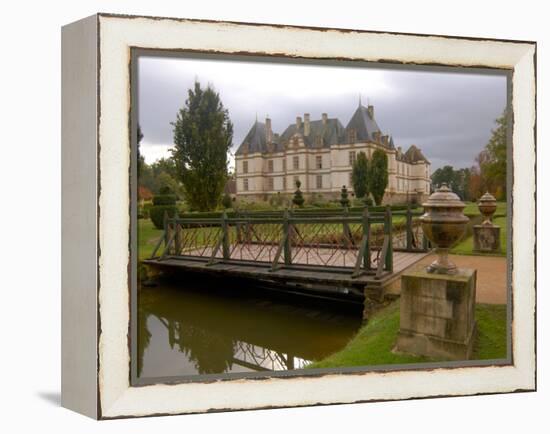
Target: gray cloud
<point>448,115</point>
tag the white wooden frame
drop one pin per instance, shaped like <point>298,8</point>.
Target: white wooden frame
<point>96,220</point>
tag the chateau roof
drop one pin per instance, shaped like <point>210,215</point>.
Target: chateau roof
<point>413,155</point>
<point>330,130</point>
<point>363,123</point>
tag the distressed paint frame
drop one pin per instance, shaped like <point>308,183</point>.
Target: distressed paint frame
<point>114,396</point>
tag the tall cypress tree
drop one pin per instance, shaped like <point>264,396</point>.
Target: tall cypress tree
<point>360,176</point>
<point>203,135</point>
<point>378,175</point>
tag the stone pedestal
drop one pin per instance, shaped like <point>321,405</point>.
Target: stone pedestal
<point>486,238</point>
<point>437,314</point>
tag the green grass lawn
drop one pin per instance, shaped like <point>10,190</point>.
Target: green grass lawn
<point>148,237</point>
<point>466,246</point>
<point>374,342</point>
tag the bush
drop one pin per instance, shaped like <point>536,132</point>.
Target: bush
<point>162,203</point>
<point>276,200</point>
<point>156,214</point>
<point>143,210</point>
<point>368,201</point>
<point>164,199</point>
<point>298,198</point>
<point>226,201</point>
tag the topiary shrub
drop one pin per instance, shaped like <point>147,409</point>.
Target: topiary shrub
<point>164,199</point>
<point>344,199</point>
<point>227,202</point>
<point>162,203</point>
<point>298,198</point>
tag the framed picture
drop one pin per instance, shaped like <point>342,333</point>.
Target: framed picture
<point>262,216</point>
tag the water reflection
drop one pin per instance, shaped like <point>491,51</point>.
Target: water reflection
<point>199,327</point>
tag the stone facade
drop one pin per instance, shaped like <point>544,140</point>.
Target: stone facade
<point>437,314</point>
<point>320,154</point>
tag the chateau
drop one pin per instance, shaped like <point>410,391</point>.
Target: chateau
<point>321,153</point>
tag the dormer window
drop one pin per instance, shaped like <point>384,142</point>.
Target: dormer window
<point>295,142</point>
<point>318,141</point>
<point>352,135</point>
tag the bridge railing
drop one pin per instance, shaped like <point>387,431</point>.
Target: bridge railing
<point>345,241</point>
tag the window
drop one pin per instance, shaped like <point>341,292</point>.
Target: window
<point>319,181</point>
<point>270,166</point>
<point>350,179</point>
<point>284,164</point>
<point>351,157</point>
<point>296,162</point>
<point>284,183</point>
<point>318,141</point>
<point>352,136</point>
<point>245,184</point>
<point>270,184</point>
<point>245,166</point>
<point>319,161</point>
<point>295,142</point>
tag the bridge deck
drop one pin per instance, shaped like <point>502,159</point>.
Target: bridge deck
<point>314,271</point>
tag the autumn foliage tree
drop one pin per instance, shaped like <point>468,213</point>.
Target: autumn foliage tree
<point>493,159</point>
<point>489,173</point>
<point>203,135</point>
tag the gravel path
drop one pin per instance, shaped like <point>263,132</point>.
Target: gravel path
<point>491,275</point>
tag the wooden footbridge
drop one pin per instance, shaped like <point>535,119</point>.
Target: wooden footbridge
<point>354,253</point>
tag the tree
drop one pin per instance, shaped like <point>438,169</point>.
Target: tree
<point>475,187</point>
<point>298,198</point>
<point>203,135</point>
<point>444,175</point>
<point>344,200</point>
<point>457,180</point>
<point>360,176</point>
<point>378,175</point>
<point>493,162</point>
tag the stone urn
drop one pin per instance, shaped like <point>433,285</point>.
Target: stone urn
<point>444,224</point>
<point>487,206</point>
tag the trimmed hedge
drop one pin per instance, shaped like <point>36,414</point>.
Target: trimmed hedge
<point>164,199</point>
<point>156,213</point>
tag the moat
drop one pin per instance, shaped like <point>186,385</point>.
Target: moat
<point>190,327</point>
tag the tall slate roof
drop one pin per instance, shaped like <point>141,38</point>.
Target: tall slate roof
<point>414,154</point>
<point>363,124</point>
<point>332,132</point>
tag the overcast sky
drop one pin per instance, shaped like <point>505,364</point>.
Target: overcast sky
<point>448,115</point>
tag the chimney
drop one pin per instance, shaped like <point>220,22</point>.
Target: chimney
<point>268,130</point>
<point>298,122</point>
<point>370,110</point>
<point>306,124</point>
<point>325,118</point>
